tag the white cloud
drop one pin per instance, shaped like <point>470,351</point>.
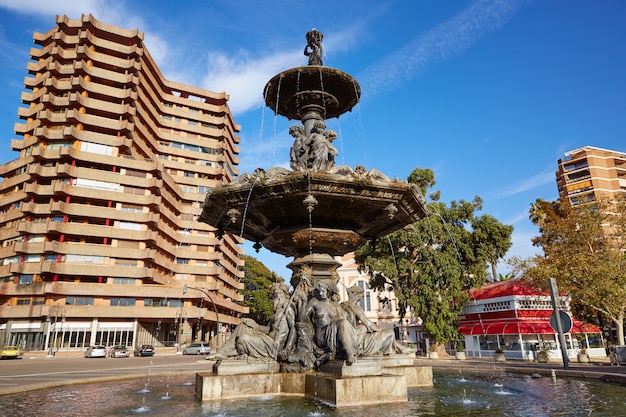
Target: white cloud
<point>244,77</point>
<point>449,38</point>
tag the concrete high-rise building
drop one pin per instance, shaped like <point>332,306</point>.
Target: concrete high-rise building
<point>589,174</point>
<point>98,231</point>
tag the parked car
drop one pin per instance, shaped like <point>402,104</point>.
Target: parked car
<point>119,351</point>
<point>97,351</point>
<point>144,350</point>
<point>10,352</point>
<point>197,349</point>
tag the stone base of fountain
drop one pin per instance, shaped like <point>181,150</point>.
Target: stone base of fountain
<point>368,381</point>
<point>240,367</point>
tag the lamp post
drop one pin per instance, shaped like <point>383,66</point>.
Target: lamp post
<point>217,317</point>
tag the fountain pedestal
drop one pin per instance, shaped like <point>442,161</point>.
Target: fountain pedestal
<point>368,381</point>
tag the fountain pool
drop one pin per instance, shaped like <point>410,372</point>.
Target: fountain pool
<point>454,394</point>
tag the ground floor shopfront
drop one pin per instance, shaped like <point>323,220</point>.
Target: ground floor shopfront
<point>65,335</point>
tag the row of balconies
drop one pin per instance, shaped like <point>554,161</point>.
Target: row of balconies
<point>114,312</point>
<point>116,290</point>
<point>76,83</point>
<point>78,52</point>
<point>92,105</point>
<point>91,270</point>
<point>62,189</point>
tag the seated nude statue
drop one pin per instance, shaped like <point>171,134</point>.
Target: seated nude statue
<point>250,339</point>
<point>333,332</point>
<point>371,339</point>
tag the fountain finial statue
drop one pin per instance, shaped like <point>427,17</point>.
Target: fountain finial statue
<point>313,48</point>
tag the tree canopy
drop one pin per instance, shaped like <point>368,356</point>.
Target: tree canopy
<point>256,294</point>
<point>431,264</point>
<point>583,249</point>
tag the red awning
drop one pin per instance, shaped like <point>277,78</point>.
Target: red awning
<point>521,327</point>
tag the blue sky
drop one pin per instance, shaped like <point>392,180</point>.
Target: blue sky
<point>489,94</point>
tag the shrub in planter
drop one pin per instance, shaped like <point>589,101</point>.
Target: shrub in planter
<point>460,352</point>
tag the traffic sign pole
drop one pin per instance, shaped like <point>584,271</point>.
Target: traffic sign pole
<point>556,305</point>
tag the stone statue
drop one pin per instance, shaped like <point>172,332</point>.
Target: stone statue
<point>371,339</point>
<point>313,48</point>
<point>314,151</point>
<point>333,332</point>
<point>299,153</point>
<point>321,152</point>
<point>252,340</point>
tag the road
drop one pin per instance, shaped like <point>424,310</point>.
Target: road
<point>18,375</point>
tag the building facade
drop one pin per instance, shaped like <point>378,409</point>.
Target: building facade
<point>99,242</point>
<point>512,317</point>
<point>588,174</point>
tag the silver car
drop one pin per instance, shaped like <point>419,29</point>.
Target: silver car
<point>119,351</point>
<point>97,351</point>
<point>197,349</point>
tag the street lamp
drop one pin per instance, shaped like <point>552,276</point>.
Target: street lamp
<point>217,317</point>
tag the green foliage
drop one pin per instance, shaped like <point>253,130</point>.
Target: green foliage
<point>258,279</point>
<point>431,264</point>
<point>583,249</point>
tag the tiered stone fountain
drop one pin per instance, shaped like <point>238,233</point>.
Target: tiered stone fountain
<point>314,212</point>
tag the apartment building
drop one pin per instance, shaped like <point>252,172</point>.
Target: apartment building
<point>589,174</point>
<point>99,238</point>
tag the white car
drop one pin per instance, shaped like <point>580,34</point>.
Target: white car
<point>197,349</point>
<point>97,351</point>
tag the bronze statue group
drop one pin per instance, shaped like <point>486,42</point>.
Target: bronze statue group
<point>310,327</point>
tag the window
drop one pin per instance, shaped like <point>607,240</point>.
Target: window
<point>130,226</point>
<point>96,185</point>
<point>124,281</point>
<point>132,208</point>
<point>152,302</point>
<point>79,301</point>
<point>23,301</point>
<point>90,259</point>
<point>58,145</point>
<point>366,301</point>
<point>182,261</point>
<point>11,260</point>
<point>52,257</point>
<point>32,258</point>
<point>123,302</point>
<point>26,279</point>
<point>96,148</point>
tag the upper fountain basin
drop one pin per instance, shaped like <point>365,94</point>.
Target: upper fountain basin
<point>294,91</point>
<point>347,208</point>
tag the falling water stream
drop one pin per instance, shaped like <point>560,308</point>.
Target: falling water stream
<point>453,394</point>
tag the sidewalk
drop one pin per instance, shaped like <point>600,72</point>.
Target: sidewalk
<point>598,368</point>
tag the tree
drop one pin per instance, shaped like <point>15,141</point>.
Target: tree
<point>583,248</point>
<point>431,264</point>
<point>493,240</point>
<point>256,294</point>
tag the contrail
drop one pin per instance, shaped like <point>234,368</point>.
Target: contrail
<point>447,39</point>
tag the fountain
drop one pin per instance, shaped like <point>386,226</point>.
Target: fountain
<point>314,212</point>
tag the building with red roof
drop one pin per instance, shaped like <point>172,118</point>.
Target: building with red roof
<point>512,316</point>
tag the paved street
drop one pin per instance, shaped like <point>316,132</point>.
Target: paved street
<point>17,375</point>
